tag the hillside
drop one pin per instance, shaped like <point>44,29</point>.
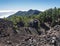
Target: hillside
<point>43,29</point>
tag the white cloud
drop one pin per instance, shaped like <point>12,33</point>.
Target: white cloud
<point>8,10</point>
<point>6,13</point>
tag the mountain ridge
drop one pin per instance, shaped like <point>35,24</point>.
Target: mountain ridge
<point>26,13</point>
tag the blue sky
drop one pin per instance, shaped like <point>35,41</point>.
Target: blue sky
<point>28,4</point>
<point>11,6</point>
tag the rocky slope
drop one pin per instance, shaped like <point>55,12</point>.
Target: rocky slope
<point>28,36</point>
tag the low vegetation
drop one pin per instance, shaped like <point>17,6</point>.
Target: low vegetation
<point>51,15</point>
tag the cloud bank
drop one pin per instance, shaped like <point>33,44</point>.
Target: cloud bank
<point>6,13</point>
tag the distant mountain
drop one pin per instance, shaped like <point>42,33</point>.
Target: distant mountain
<point>26,13</point>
